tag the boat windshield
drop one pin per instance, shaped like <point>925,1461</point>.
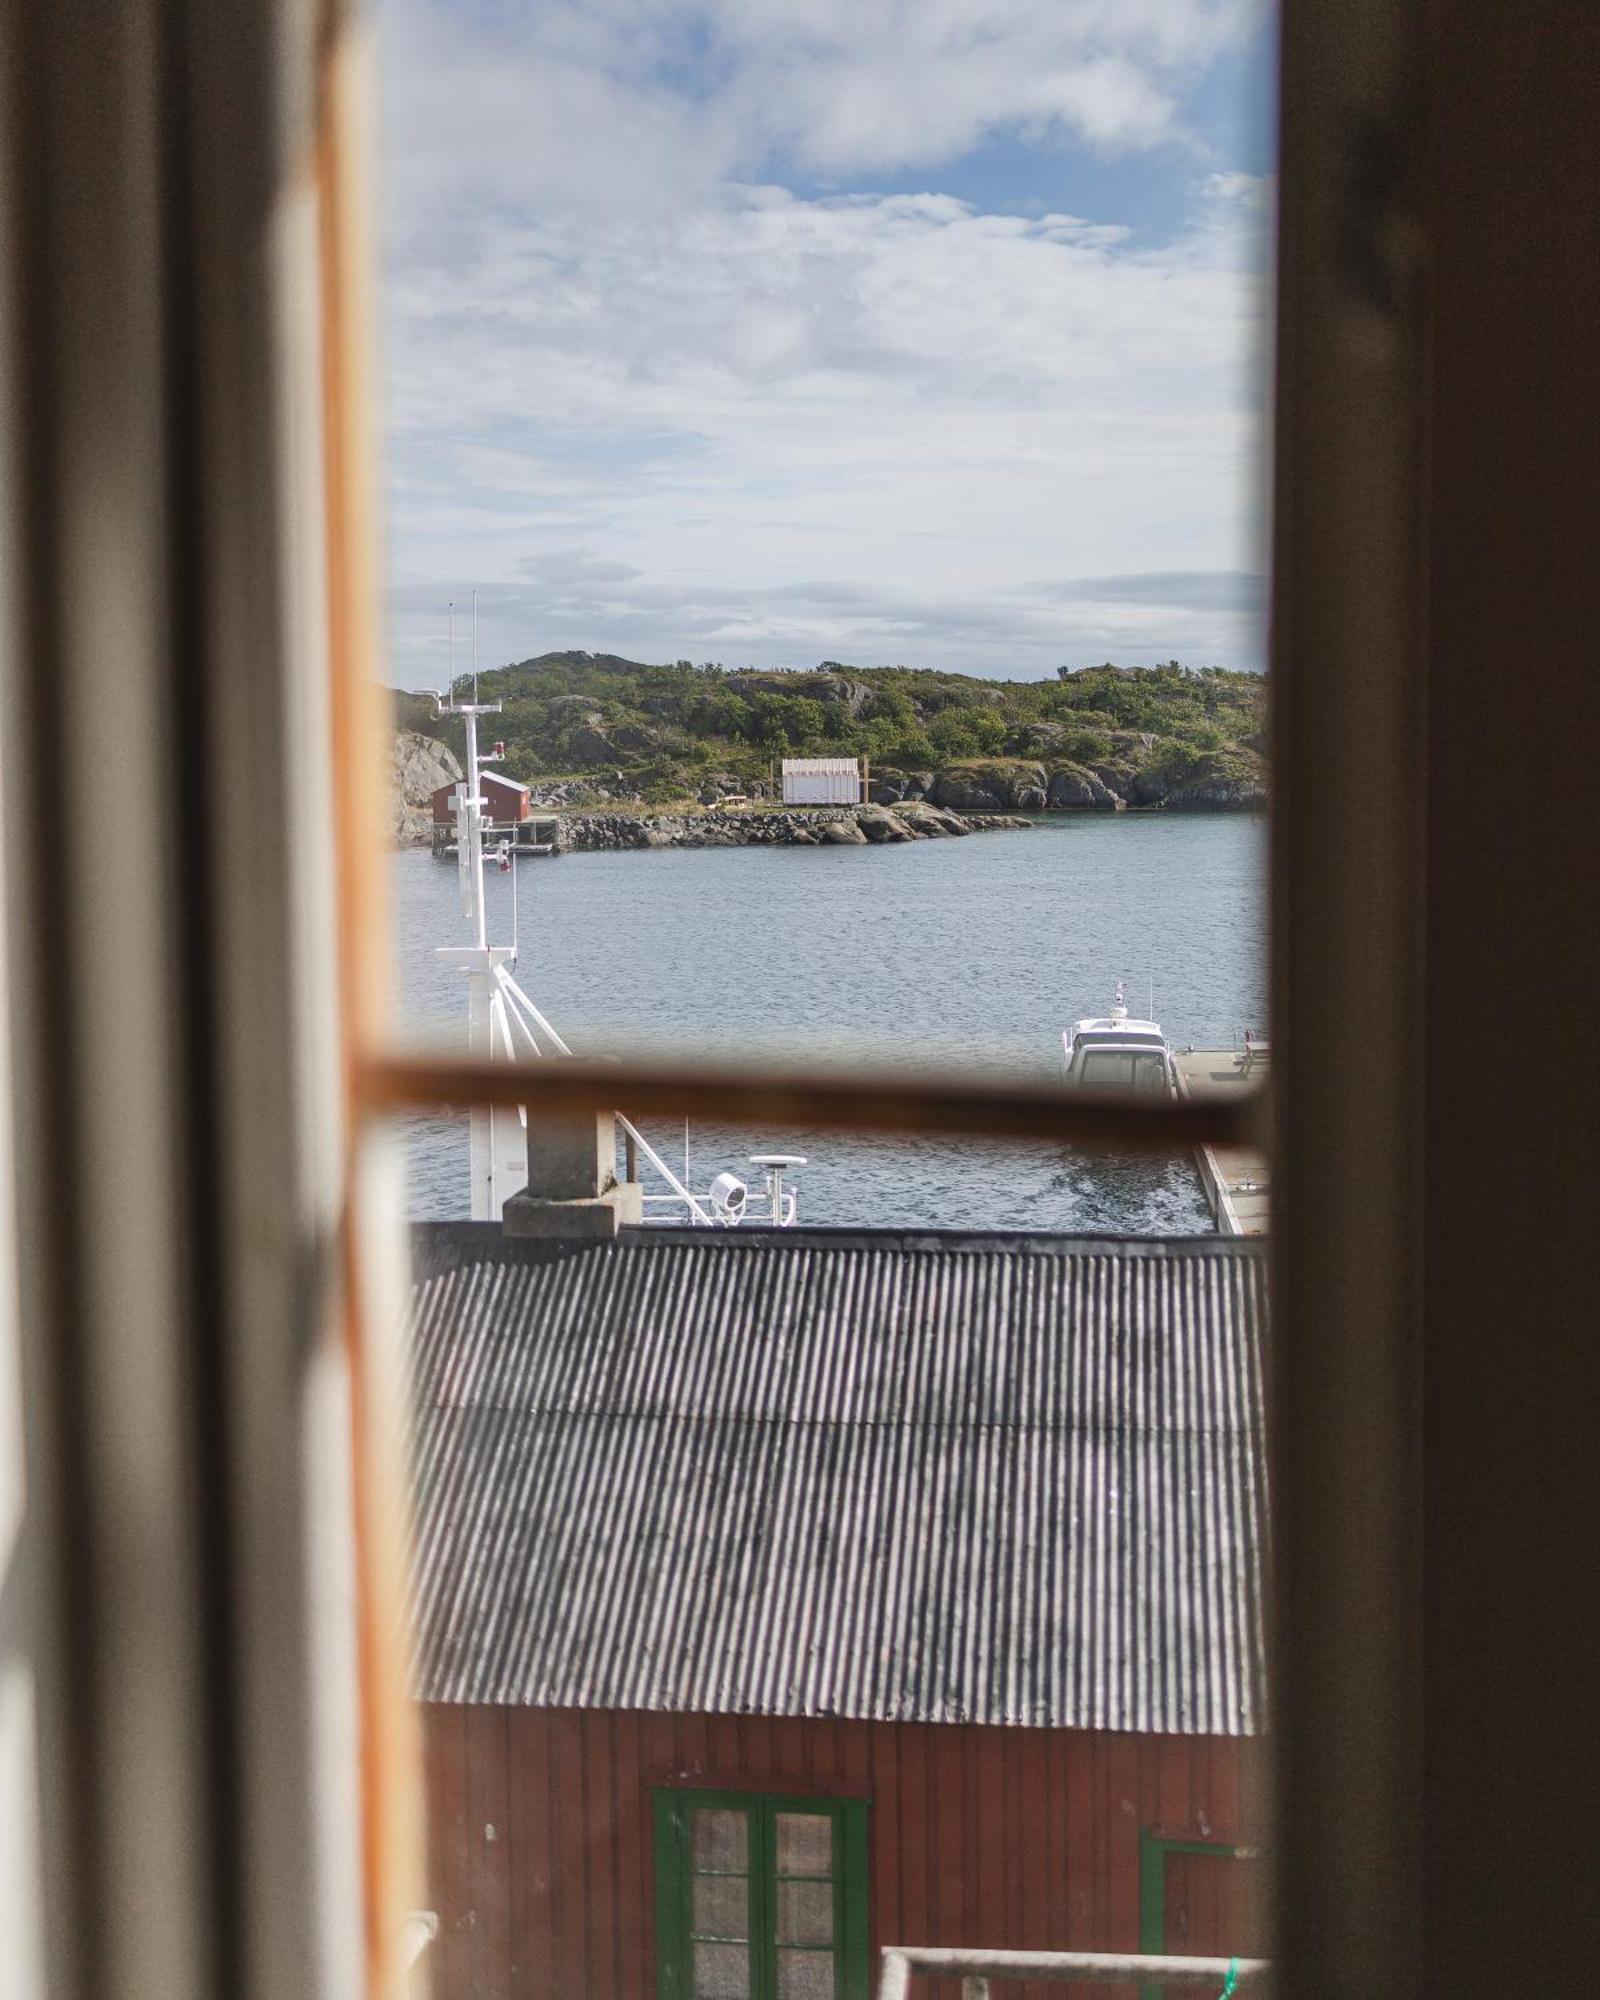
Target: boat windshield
<point>1139,1070</point>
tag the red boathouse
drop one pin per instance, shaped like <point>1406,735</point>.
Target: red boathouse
<point>780,1596</point>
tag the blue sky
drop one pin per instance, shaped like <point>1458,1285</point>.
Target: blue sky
<point>768,331</point>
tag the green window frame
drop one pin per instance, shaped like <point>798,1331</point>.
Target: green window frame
<point>697,1919</point>
<point>1153,1851</point>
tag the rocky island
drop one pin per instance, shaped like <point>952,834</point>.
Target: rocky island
<point>634,755</point>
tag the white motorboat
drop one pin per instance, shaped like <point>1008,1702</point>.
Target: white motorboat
<point>1118,1052</point>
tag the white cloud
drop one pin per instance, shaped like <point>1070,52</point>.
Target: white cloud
<point>647,407</point>
<point>591,97</point>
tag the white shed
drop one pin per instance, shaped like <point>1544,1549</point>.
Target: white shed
<point>821,781</point>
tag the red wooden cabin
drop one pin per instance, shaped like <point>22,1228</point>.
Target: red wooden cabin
<point>783,1595</point>
<point>508,800</point>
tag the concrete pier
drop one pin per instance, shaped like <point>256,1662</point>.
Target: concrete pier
<point>1236,1178</point>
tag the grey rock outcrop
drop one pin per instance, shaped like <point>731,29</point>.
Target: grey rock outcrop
<point>931,821</point>
<point>1220,784</point>
<point>592,746</point>
<point>565,708</point>
<point>419,765</point>
<point>964,791</point>
<point>1076,786</point>
<point>633,738</point>
<point>583,832</point>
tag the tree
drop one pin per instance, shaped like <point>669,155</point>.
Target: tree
<point>953,735</point>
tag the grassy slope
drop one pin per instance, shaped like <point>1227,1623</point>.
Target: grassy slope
<point>672,728</point>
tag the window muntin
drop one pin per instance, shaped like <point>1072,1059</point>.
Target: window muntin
<point>760,1898</point>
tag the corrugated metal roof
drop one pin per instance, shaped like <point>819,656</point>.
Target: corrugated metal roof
<point>1010,1479</point>
<point>486,777</point>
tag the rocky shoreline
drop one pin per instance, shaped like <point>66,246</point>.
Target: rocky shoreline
<point>605,810</point>
<point>838,826</point>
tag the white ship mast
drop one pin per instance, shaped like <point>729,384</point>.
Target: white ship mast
<point>503,1024</point>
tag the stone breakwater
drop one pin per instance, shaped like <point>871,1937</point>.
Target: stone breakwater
<point>841,826</point>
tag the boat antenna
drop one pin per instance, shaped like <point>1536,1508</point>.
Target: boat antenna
<point>450,626</point>
<point>474,645</point>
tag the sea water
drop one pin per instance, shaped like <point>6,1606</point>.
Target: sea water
<point>960,956</point>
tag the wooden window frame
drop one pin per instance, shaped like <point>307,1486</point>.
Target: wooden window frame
<point>1435,493</point>
<point>674,1807</point>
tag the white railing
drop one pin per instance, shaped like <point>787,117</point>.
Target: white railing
<point>900,1963</point>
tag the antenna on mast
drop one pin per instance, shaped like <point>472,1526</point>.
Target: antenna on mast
<point>474,645</point>
<point>450,627</point>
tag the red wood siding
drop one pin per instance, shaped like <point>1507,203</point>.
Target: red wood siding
<point>506,802</point>
<point>1024,1838</point>
<point>1213,1906</point>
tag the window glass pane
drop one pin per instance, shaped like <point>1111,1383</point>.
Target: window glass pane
<point>805,1913</point>
<point>1111,1070</point>
<point>805,1844</point>
<point>929,449</point>
<point>721,1840</point>
<point>805,1975</point>
<point>721,1906</point>
<point>722,1972</point>
<point>931,472</point>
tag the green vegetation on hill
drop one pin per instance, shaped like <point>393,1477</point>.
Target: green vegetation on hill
<point>1140,734</point>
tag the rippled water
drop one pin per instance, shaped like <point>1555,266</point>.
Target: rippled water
<point>965,954</point>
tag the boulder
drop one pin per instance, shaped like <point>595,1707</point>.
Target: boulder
<point>926,820</point>
<point>1117,779</point>
<point>853,695</point>
<point>841,833</point>
<point>1028,798</point>
<point>966,791</point>
<point>1074,786</point>
<point>824,686</point>
<point>886,791</point>
<point>1026,778</point>
<point>880,825</point>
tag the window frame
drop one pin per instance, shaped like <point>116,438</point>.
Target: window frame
<point>1410,135</point>
<point>672,1810</point>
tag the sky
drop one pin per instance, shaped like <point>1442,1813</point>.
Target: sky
<point>921,332</point>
